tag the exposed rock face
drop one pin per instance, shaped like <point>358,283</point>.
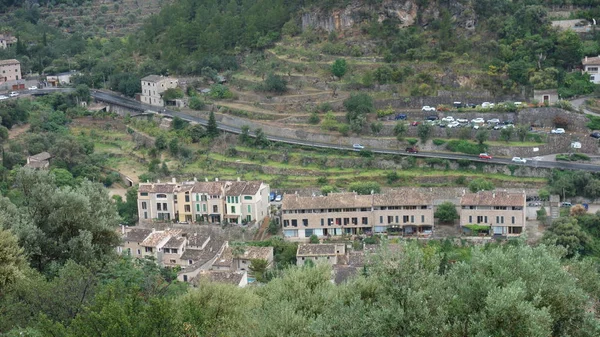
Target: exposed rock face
<point>406,12</point>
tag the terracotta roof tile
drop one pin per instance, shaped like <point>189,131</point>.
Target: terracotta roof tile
<point>235,188</point>
<point>210,187</point>
<point>252,252</point>
<point>487,198</point>
<point>136,234</point>
<point>591,61</point>
<point>315,249</point>
<point>174,242</point>
<point>234,278</point>
<point>353,200</point>
<point>41,156</point>
<point>7,62</point>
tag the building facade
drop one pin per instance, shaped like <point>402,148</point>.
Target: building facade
<point>7,40</point>
<point>591,65</point>
<point>400,213</point>
<point>153,86</point>
<point>197,202</point>
<point>10,70</point>
<point>504,213</point>
<point>319,253</point>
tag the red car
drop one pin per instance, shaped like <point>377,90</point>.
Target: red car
<point>414,123</point>
<point>485,156</point>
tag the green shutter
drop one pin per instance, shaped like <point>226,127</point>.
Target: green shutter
<point>249,209</point>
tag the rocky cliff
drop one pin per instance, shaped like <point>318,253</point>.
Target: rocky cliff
<point>406,12</point>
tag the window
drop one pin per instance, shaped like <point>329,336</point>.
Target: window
<point>249,208</point>
<point>187,197</point>
<point>197,208</point>
<point>166,250</point>
<point>322,222</point>
<point>144,206</point>
<point>286,223</point>
<point>158,206</point>
<point>144,194</point>
<point>329,221</point>
<point>173,261</point>
<point>232,209</point>
<point>164,206</point>
<point>592,69</point>
<point>204,207</point>
<point>185,278</point>
<point>412,219</point>
<point>390,219</point>
<point>215,209</point>
<point>513,220</point>
<point>380,219</point>
<point>148,249</point>
<point>161,196</point>
<point>145,215</point>
<point>470,219</point>
<point>365,220</point>
<point>190,262</point>
<point>397,219</point>
<point>204,197</point>
<point>247,197</point>
<point>305,222</point>
<point>139,252</point>
<point>422,218</point>
<point>173,250</point>
<point>405,218</point>
<point>294,223</point>
<point>186,208</point>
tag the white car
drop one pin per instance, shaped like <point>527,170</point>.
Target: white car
<point>2,97</point>
<point>462,120</point>
<point>493,121</point>
<point>278,198</point>
<point>448,119</point>
<point>428,108</point>
<point>32,88</point>
<point>485,105</point>
<point>519,160</point>
<point>358,146</point>
<point>518,104</point>
<point>453,124</point>
<point>13,94</point>
<point>477,120</point>
<point>558,131</point>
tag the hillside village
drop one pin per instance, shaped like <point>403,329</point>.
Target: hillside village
<point>314,168</point>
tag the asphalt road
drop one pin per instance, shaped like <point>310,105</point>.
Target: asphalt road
<point>133,104</point>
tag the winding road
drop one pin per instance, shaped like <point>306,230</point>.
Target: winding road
<point>135,105</point>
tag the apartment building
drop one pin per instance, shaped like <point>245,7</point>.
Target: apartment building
<point>402,212</point>
<point>504,212</point>
<point>320,253</point>
<point>10,70</point>
<point>193,201</point>
<point>153,87</point>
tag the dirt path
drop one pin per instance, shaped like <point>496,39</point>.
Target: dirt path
<point>16,131</point>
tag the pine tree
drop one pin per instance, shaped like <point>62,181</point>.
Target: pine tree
<point>212,129</point>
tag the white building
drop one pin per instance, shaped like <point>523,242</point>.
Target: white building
<point>153,86</point>
<point>591,66</point>
<point>10,70</point>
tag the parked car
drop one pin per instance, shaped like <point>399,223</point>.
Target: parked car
<point>432,118</point>
<point>13,94</point>
<point>471,105</point>
<point>2,97</point>
<point>519,160</point>
<point>415,123</point>
<point>453,124</point>
<point>595,134</point>
<point>278,198</point>
<point>457,105</point>
<point>566,204</point>
<point>272,196</point>
<point>448,119</point>
<point>357,146</point>
<point>485,156</point>
<point>413,149</point>
<point>486,105</point>
<point>462,120</point>
<point>493,121</point>
<point>477,120</point>
<point>427,108</point>
<point>518,104</point>
<point>498,127</point>
<point>32,88</point>
<point>400,117</point>
<point>558,131</point>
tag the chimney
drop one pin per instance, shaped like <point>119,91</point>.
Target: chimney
<point>463,193</point>
<point>173,180</point>
<point>493,194</point>
<point>238,179</point>
<point>153,230</point>
<point>158,181</point>
<point>216,179</point>
<point>586,59</point>
<point>205,179</point>
<point>123,229</point>
<point>195,179</point>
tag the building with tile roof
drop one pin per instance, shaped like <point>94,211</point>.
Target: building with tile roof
<point>503,213</point>
<point>199,202</point>
<point>401,212</point>
<point>591,65</point>
<point>320,253</point>
<point>10,70</point>
<point>153,86</point>
<point>240,261</point>
<point>237,278</point>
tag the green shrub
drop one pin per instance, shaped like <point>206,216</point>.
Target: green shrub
<point>196,103</point>
<point>465,146</point>
<point>439,142</point>
<point>594,123</point>
<point>412,141</point>
<point>579,156</point>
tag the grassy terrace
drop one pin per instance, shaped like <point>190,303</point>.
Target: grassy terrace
<point>286,166</point>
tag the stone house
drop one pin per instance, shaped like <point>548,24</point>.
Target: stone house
<point>591,66</point>
<point>10,70</point>
<point>546,97</point>
<point>504,213</point>
<point>39,161</point>
<point>319,253</point>
<point>153,86</point>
